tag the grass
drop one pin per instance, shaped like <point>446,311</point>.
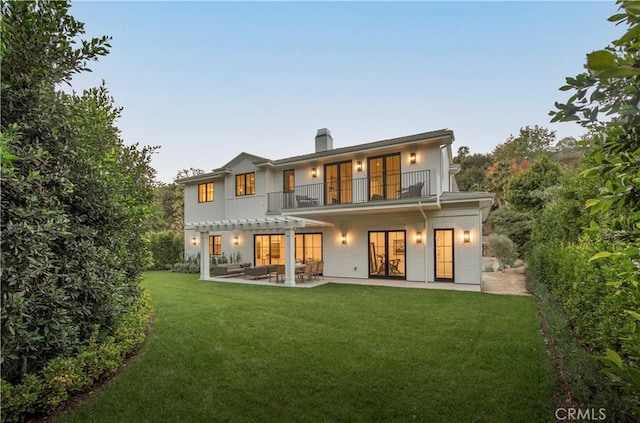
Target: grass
<point>335,353</point>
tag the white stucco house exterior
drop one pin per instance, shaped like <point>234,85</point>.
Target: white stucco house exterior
<point>385,209</point>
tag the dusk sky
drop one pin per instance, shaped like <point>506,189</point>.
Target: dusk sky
<point>208,80</point>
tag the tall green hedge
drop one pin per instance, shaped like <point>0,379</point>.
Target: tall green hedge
<point>74,199</point>
<point>166,248</point>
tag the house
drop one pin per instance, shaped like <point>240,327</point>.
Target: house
<point>385,209</point>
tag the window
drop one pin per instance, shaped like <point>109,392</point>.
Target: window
<point>205,192</point>
<point>269,249</point>
<point>215,245</point>
<point>289,183</point>
<point>246,184</point>
<point>308,247</point>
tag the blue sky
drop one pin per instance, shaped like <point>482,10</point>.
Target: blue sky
<point>207,80</point>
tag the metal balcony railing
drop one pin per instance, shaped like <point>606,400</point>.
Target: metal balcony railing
<point>373,189</point>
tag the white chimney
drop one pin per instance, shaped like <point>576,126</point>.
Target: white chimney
<point>324,141</point>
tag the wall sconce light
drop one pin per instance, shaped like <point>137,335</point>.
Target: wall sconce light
<point>235,240</point>
<point>193,240</point>
<point>412,158</point>
<point>359,166</point>
<point>343,239</point>
<point>466,237</point>
<point>314,172</point>
<point>418,237</point>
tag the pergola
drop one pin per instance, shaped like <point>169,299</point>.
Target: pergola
<point>288,224</point>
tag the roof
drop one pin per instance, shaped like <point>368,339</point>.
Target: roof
<point>430,137</point>
<point>427,137</point>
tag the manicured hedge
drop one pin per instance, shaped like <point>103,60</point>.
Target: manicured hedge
<point>63,377</point>
<point>581,287</point>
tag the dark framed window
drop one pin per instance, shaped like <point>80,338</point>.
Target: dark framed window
<point>205,192</point>
<point>215,245</point>
<point>308,247</point>
<point>289,180</point>
<point>443,243</point>
<point>246,184</point>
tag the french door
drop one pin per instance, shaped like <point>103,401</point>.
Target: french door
<point>384,177</point>
<point>387,254</point>
<point>338,178</point>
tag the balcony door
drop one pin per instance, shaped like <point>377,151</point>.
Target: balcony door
<point>384,177</point>
<point>387,254</point>
<point>338,187</point>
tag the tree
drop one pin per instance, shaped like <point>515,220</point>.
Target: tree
<point>529,144</point>
<point>75,198</point>
<point>611,87</point>
<point>527,190</point>
<point>473,172</point>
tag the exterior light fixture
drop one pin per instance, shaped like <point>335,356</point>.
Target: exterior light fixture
<point>418,237</point>
<point>314,172</point>
<point>343,239</point>
<point>359,166</point>
<point>235,240</point>
<point>193,240</point>
<point>466,237</point>
<point>412,158</point>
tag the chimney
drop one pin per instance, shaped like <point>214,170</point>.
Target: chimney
<point>324,141</point>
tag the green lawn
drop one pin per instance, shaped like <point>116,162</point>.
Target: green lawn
<point>335,353</point>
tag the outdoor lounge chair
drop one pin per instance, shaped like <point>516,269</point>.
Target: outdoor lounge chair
<point>414,190</point>
<point>306,201</point>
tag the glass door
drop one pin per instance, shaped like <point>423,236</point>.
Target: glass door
<point>269,249</point>
<point>338,178</point>
<point>384,177</point>
<point>387,254</point>
<point>444,254</point>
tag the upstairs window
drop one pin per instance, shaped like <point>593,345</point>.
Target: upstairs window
<point>215,245</point>
<point>289,181</point>
<point>205,192</point>
<point>246,184</point>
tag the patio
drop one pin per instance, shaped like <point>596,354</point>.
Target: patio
<point>351,281</point>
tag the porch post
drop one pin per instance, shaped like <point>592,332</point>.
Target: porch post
<point>204,256</point>
<point>290,257</point>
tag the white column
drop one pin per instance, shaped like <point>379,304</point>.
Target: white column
<point>204,256</point>
<point>290,257</point>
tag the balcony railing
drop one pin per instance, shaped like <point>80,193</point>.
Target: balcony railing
<point>372,190</point>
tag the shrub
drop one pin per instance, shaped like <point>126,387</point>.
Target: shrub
<point>64,376</point>
<point>503,249</point>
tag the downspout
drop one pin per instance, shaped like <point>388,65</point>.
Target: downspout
<point>426,241</point>
<point>441,179</point>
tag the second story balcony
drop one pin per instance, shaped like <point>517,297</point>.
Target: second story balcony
<point>368,190</point>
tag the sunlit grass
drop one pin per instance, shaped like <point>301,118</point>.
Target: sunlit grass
<point>336,353</point>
